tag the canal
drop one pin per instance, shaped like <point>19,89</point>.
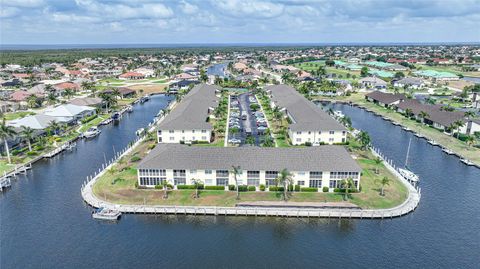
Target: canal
<point>45,224</point>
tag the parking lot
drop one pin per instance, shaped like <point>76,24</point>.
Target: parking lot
<point>247,122</point>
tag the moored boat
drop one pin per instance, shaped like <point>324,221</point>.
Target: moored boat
<point>116,116</point>
<point>467,162</point>
<point>106,214</point>
<point>91,132</point>
<point>449,152</point>
<point>433,142</point>
<point>409,175</point>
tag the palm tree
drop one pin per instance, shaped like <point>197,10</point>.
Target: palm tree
<point>423,115</point>
<point>364,139</point>
<point>236,170</point>
<point>6,132</point>
<point>197,183</point>
<point>165,189</point>
<point>68,93</point>
<point>470,114</point>
<point>470,140</point>
<point>408,112</point>
<point>347,183</point>
<point>53,126</point>
<point>459,124</point>
<point>383,182</point>
<point>285,178</point>
<point>51,98</point>
<point>28,134</point>
<point>32,101</point>
<point>378,162</point>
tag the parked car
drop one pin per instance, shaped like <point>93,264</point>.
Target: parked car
<point>234,141</point>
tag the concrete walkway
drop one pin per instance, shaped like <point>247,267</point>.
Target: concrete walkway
<point>406,207</point>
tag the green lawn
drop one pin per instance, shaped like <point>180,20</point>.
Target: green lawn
<point>17,115</point>
<point>118,186</point>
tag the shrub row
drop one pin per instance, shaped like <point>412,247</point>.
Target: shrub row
<point>189,187</point>
<point>218,188</point>
<point>307,189</point>
<point>87,119</point>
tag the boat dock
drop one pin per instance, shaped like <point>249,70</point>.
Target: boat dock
<point>6,179</point>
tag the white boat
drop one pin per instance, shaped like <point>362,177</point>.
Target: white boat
<point>107,121</point>
<point>129,109</point>
<point>447,151</point>
<point>433,142</point>
<point>409,175</point>
<point>338,114</point>
<point>406,129</point>
<point>419,135</point>
<point>92,132</point>
<point>106,214</point>
<point>467,162</point>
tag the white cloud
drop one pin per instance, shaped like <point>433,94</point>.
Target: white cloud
<point>8,12</point>
<point>22,3</point>
<point>122,11</point>
<point>188,8</point>
<point>248,9</point>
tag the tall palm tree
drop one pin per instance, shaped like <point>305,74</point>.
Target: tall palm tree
<point>6,132</point>
<point>68,93</point>
<point>51,98</point>
<point>423,115</point>
<point>470,140</point>
<point>285,178</point>
<point>383,182</point>
<point>364,139</point>
<point>32,101</point>
<point>378,162</point>
<point>459,124</point>
<point>408,112</point>
<point>236,170</point>
<point>347,183</point>
<point>470,114</point>
<point>197,183</point>
<point>54,126</point>
<point>28,134</point>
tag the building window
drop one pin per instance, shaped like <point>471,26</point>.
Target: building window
<point>222,181</point>
<point>179,181</point>
<point>301,173</point>
<point>301,182</point>
<point>171,131</point>
<point>299,133</point>
<point>193,131</point>
<point>253,178</point>
<point>222,173</point>
<point>315,183</point>
<point>204,131</point>
<point>315,175</point>
<point>299,140</point>
<point>332,132</point>
<point>320,132</point>
<point>208,181</point>
<point>208,172</point>
<point>344,133</point>
<point>204,138</point>
<point>159,132</point>
<point>183,131</point>
<point>309,132</point>
<point>179,173</point>
<point>330,139</point>
<point>343,175</point>
<point>193,171</point>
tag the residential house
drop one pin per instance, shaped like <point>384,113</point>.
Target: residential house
<point>372,83</point>
<point>385,99</point>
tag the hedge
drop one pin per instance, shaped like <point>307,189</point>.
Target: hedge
<point>275,188</point>
<point>297,187</point>
<point>242,188</point>
<point>217,188</point>
<point>306,189</point>
<point>189,187</point>
<point>231,187</point>
<point>325,189</point>
<point>87,119</point>
<point>252,188</point>
<point>262,187</point>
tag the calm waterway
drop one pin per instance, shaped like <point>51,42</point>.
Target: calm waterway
<point>45,224</point>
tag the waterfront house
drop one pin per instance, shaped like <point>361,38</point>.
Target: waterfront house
<point>188,121</point>
<point>124,92</point>
<point>372,83</point>
<point>69,113</point>
<point>87,101</point>
<point>309,123</point>
<point>385,99</point>
<point>314,167</point>
<point>433,115</point>
<point>181,85</point>
<point>410,82</point>
<point>36,122</point>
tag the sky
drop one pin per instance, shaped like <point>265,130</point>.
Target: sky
<point>238,21</point>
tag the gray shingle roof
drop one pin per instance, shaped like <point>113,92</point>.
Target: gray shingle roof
<point>177,156</point>
<point>306,115</point>
<point>192,112</point>
<point>386,98</point>
<point>434,112</point>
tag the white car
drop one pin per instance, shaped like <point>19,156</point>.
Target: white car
<point>234,141</point>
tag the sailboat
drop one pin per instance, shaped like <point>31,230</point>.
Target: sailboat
<point>405,172</point>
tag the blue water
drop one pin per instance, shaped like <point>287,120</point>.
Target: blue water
<point>45,224</point>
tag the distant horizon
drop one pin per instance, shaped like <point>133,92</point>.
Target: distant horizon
<point>52,46</point>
